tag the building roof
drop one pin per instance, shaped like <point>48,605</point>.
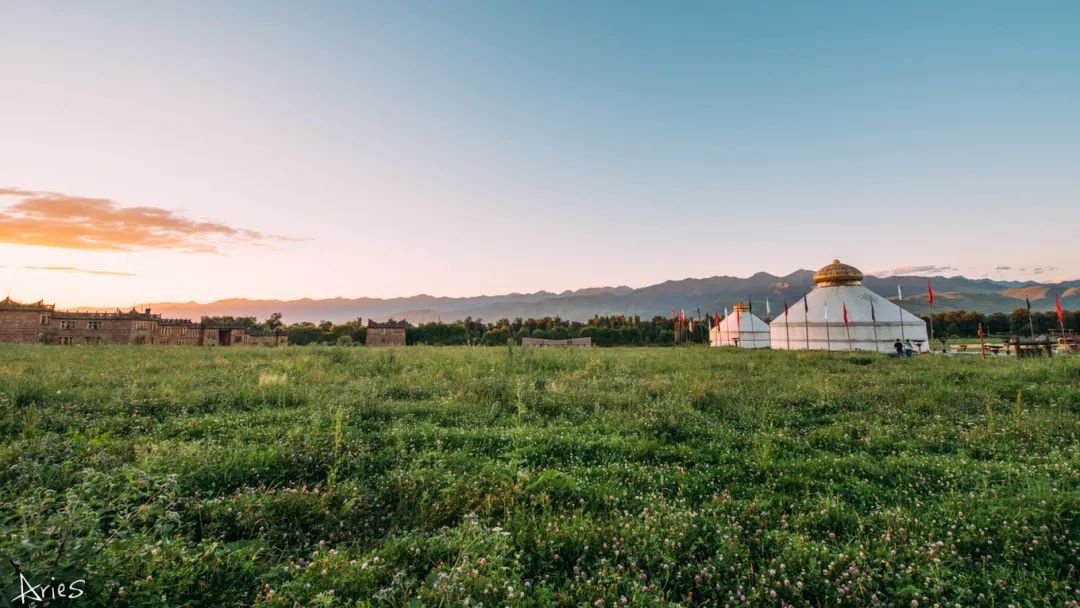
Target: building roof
<point>838,273</point>
<point>388,325</point>
<point>9,304</point>
<point>118,315</point>
<point>221,324</point>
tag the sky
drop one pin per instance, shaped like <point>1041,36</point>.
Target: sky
<point>154,151</point>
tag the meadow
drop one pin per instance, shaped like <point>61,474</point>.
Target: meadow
<point>426,476</point>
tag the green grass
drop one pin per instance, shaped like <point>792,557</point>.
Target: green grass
<point>328,476</point>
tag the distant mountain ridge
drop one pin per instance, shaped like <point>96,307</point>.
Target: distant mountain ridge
<point>707,294</point>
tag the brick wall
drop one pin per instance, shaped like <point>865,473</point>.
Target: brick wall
<point>23,325</point>
<point>385,336</point>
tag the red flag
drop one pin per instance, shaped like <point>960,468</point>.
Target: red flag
<point>682,316</point>
<point>672,313</point>
<point>1061,315</point>
<point>785,308</point>
<point>845,313</point>
<point>718,319</point>
<point>930,292</point>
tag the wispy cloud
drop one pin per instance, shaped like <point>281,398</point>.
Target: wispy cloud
<point>51,219</point>
<point>911,269</point>
<point>110,273</point>
<point>1034,269</point>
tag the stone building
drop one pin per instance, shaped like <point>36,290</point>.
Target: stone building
<point>26,323</point>
<point>386,334</point>
<point>265,338</point>
<point>130,327</point>
<point>41,323</point>
<point>585,342</point>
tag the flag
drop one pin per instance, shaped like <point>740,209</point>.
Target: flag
<point>768,310</point>
<point>785,308</point>
<point>873,317</point>
<point>682,316</point>
<point>691,325</point>
<point>980,331</point>
<point>930,292</point>
<point>805,304</point>
<point>725,312</point>
<point>1057,302</point>
<point>718,319</point>
<point>672,313</point>
<point>826,310</point>
<point>899,294</point>
<point>845,313</point>
<point>1028,302</point>
<point>750,306</point>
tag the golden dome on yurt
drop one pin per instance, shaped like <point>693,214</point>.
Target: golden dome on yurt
<point>838,273</point>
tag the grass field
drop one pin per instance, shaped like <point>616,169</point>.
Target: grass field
<point>327,476</point>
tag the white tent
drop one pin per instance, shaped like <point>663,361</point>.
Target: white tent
<point>741,328</point>
<point>873,323</point>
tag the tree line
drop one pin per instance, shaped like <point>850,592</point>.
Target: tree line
<point>623,330</point>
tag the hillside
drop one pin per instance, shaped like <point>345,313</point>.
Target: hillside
<point>690,294</point>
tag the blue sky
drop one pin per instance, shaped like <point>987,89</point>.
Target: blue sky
<point>459,148</point>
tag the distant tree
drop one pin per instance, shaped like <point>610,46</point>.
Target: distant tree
<point>273,322</point>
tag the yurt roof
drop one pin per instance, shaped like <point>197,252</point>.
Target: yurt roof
<point>838,273</point>
<point>743,321</point>
<point>838,286</point>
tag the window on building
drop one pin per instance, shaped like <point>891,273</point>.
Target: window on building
<point>67,324</point>
<point>65,340</point>
<point>44,319</point>
<point>93,325</point>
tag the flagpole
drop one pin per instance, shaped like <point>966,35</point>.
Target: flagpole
<point>828,333</point>
<point>1061,322</point>
<point>738,325</point>
<point>787,328</point>
<point>675,329</point>
<point>982,341</point>
<point>847,328</point>
<point>900,304</point>
<point>930,306</point>
<point>873,317</point>
<point>1031,320</point>
<point>806,319</point>
<point>750,309</point>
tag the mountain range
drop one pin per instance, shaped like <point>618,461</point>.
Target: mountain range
<point>707,294</point>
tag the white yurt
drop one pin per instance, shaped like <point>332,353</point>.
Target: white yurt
<point>873,323</point>
<point>741,328</point>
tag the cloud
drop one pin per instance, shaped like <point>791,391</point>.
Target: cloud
<point>110,273</point>
<point>50,219</point>
<point>1037,269</point>
<point>909,269</point>
<point>1000,268</point>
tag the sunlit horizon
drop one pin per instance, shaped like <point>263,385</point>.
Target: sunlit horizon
<point>199,152</point>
